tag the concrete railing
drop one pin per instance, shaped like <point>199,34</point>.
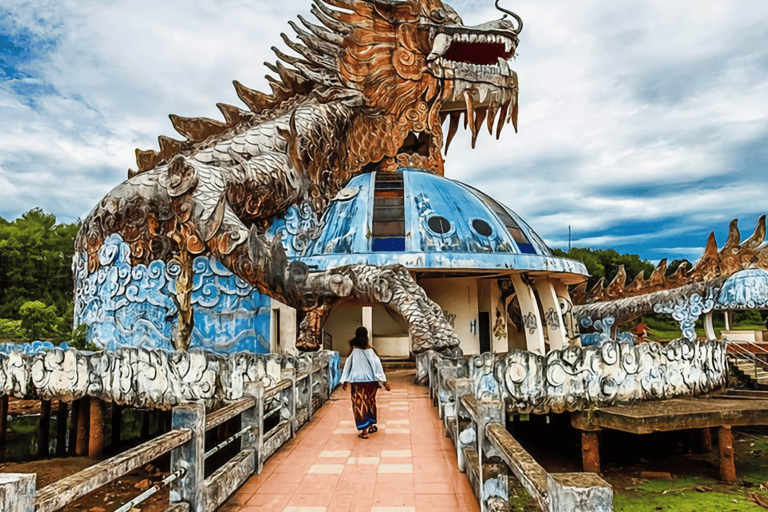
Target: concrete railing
<point>489,455</point>
<point>265,418</point>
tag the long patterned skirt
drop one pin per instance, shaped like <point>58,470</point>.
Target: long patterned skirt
<point>364,403</point>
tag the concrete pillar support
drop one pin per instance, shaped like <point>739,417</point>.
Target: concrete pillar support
<point>727,466</point>
<point>190,456</point>
<point>83,417</point>
<point>553,318</point>
<point>590,451</point>
<point>96,429</point>
<point>534,334</point>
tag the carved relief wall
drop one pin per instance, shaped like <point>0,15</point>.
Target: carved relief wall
<point>137,306</point>
<point>576,378</point>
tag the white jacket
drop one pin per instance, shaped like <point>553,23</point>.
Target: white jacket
<point>363,365</point>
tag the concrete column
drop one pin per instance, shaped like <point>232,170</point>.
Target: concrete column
<point>96,429</point>
<point>590,451</point>
<point>17,492</point>
<point>706,440</point>
<point>553,318</point>
<point>529,308</point>
<point>727,466</point>
<point>728,317</point>
<point>569,321</point>
<point>83,417</point>
<point>368,321</point>
<point>709,329</point>
<point>190,456</point>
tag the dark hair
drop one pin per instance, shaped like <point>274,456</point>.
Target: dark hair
<point>361,338</point>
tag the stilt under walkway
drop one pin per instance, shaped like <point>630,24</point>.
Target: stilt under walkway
<point>409,465</point>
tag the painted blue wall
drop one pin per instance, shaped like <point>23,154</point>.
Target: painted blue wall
<point>125,305</point>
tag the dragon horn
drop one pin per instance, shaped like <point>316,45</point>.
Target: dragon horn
<point>734,237</point>
<point>519,20</point>
<point>146,160</point>
<point>618,281</point>
<point>196,129</point>
<point>231,113</point>
<point>256,101</point>
<point>657,276</point>
<point>758,237</point>
<point>168,146</point>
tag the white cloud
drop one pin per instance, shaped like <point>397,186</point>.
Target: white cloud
<point>615,97</point>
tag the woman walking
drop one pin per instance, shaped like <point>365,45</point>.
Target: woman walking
<point>364,371</point>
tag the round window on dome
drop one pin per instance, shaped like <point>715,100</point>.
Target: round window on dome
<point>482,228</point>
<point>439,225</point>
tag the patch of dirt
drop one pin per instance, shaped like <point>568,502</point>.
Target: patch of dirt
<point>105,499</point>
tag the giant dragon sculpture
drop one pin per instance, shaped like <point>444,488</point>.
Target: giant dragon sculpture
<point>368,88</point>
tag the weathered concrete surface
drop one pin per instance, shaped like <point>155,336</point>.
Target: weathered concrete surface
<point>58,494</point>
<point>17,492</point>
<point>579,492</point>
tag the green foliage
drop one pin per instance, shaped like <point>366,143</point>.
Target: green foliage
<point>10,330</point>
<point>38,320</point>
<point>605,263</point>
<point>35,262</point>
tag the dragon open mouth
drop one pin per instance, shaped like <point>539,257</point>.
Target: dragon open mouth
<point>479,83</point>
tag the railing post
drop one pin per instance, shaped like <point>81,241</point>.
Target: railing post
<point>255,417</point>
<point>463,387</point>
<point>17,492</point>
<point>190,456</point>
<point>250,418</point>
<point>493,473</point>
<point>579,491</point>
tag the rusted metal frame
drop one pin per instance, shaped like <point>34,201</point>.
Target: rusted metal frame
<point>58,494</point>
<point>228,412</point>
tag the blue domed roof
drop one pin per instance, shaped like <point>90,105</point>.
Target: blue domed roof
<point>747,289</point>
<point>420,220</point>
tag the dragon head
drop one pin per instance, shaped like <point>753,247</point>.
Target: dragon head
<point>399,69</point>
<point>405,67</point>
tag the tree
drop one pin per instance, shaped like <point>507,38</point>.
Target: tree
<point>605,263</point>
<point>37,319</point>
<point>35,262</point>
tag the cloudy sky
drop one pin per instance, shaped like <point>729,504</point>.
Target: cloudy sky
<point>643,123</point>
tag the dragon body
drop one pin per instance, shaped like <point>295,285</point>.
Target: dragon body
<point>368,88</point>
<point>686,294</point>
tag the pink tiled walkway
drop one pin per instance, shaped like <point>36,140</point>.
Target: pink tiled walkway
<point>408,466</point>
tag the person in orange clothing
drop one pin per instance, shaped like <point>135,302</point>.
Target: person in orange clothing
<point>364,372</point>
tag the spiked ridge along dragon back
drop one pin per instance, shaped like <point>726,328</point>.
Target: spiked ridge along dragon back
<point>685,294</point>
<point>369,88</point>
